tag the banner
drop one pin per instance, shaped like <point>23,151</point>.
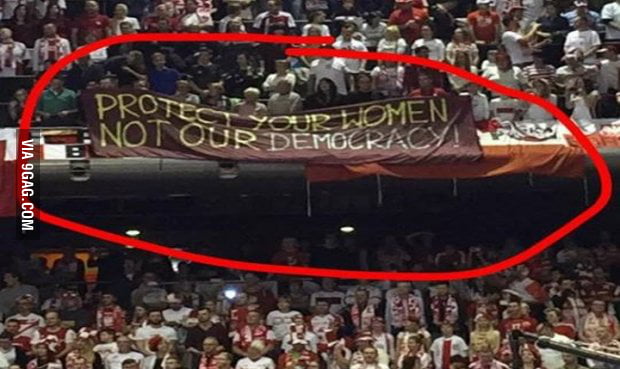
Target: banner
<point>136,123</point>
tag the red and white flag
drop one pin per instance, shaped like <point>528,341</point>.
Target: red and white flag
<point>8,157</point>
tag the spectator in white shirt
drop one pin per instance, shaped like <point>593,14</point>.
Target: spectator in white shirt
<point>347,42</point>
<point>154,327</point>
<point>255,358</point>
<point>283,72</point>
<point>49,48</point>
<point>374,30</point>
<point>552,359</point>
<point>506,109</point>
<point>330,68</point>
<point>505,73</point>
<point>115,360</point>
<point>436,47</point>
<point>609,78</point>
<point>448,341</point>
<point>120,16</point>
<point>12,54</point>
<point>392,42</point>
<point>280,320</point>
<point>583,39</point>
<point>329,294</point>
<point>479,101</point>
<point>517,45</point>
<point>610,16</point>
<point>316,20</point>
<point>176,313</point>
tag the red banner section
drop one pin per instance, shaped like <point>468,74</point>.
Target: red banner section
<point>135,123</point>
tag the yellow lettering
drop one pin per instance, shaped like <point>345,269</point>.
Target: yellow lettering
<point>367,116</point>
<point>183,133</point>
<point>115,137</point>
<point>142,130</point>
<point>124,106</point>
<point>158,123</point>
<point>103,108</point>
<point>441,111</point>
<point>414,110</point>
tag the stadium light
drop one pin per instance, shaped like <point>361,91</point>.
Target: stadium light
<point>230,293</point>
<point>132,232</point>
<point>347,229</point>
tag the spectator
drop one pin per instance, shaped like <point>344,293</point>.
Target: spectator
<point>15,290</point>
<point>448,346</point>
<point>283,72</point>
<point>436,48</point>
<point>550,358</point>
<point>12,54</point>
<point>461,42</point>
<point>234,12</point>
<point>72,313</point>
<point>273,18</point>
<point>383,340</point>
<point>154,327</point>
<point>55,335</point>
<point>109,315</point>
<point>194,19</point>
<point>299,356</point>
<point>161,78</point>
<point>83,71</point>
<point>204,71</point>
<point>44,358</point>
<point>48,49</point>
<point>255,357</point>
<point>480,105</point>
<point>183,92</point>
<point>24,25</point>
<point>68,268</point>
<point>299,330</point>
<point>519,46</point>
<point>581,101</point>
<point>121,12</point>
<point>515,319</point>
<point>90,23</point>
<point>427,88</point>
<point>566,78</point>
<point>246,339</point>
<point>316,20</point>
<point>116,360</point>
<point>539,70</point>
<point>409,19</point>
<point>374,29</point>
<point>326,96</point>
<point>370,360</point>
<point>541,88</point>
<point>530,290</point>
<point>583,39</point>
<point>245,73</point>
<point>486,360</point>
<point>13,354</point>
<point>347,42</point>
<point>598,317</point>
<point>581,10</point>
<point>209,350</point>
<point>324,324</point>
<point>485,25</point>
<point>82,355</point>
<point>610,17</point>
<point>462,61</point>
<point>392,42</point>
<point>553,317</point>
<point>281,319</point>
<point>444,306</point>
<point>483,336</point>
<point>415,351</point>
<point>403,304</point>
<point>609,82</point>
<point>329,293</point>
<point>205,328</point>
<point>328,68</point>
<point>250,106</point>
<point>348,13</point>
<point>55,14</point>
<point>505,73</point>
<point>363,92</point>
<point>290,251</point>
<point>160,20</point>
<point>554,27</point>
<point>16,105</point>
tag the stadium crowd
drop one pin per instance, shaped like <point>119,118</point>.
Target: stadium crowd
<point>563,51</point>
<point>144,312</point>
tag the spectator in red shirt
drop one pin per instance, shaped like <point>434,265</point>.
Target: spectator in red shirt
<point>298,357</point>
<point>485,26</point>
<point>160,21</point>
<point>109,314</point>
<point>553,317</point>
<point>91,22</point>
<point>515,320</point>
<point>409,17</point>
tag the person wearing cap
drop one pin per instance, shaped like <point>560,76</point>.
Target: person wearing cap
<point>298,357</point>
<point>72,312</point>
<point>255,357</point>
<point>584,39</point>
<point>581,10</point>
<point>409,18</point>
<point>447,346</point>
